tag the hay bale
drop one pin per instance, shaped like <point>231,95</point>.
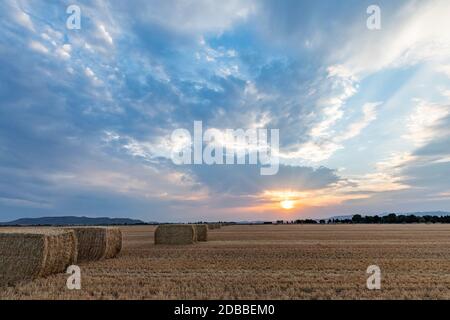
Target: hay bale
<point>26,253</point>
<point>175,234</point>
<point>96,243</point>
<point>113,242</point>
<point>210,226</point>
<point>202,232</point>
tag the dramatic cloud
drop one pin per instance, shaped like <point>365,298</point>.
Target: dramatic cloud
<point>86,115</point>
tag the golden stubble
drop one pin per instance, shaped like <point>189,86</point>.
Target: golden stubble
<point>265,262</point>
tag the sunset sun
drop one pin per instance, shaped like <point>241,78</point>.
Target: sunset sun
<point>287,204</point>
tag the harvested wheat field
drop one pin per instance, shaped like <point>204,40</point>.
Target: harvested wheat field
<point>265,262</point>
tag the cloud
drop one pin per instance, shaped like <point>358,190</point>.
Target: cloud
<point>423,123</point>
<point>105,34</point>
<point>321,147</point>
<point>192,16</point>
<point>445,69</point>
<point>64,51</point>
<point>24,19</point>
<point>247,180</point>
<point>417,27</point>
<point>38,47</point>
<point>354,129</point>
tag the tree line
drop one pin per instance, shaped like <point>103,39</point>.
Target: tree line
<point>392,219</point>
<point>385,219</point>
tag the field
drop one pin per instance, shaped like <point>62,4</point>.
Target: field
<point>266,262</point>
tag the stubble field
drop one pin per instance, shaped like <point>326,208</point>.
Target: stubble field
<point>266,262</point>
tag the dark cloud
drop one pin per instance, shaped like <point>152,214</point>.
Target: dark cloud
<point>247,179</point>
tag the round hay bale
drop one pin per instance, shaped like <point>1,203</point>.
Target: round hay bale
<point>212,226</point>
<point>175,234</point>
<point>96,243</point>
<point>26,253</point>
<point>61,253</point>
<point>113,242</point>
<point>201,231</point>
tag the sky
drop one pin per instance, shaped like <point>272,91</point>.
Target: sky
<point>86,115</point>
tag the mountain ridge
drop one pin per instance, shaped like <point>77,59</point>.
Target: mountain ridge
<point>71,220</point>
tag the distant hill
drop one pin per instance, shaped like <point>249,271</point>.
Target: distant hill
<point>65,221</point>
<point>417,214</point>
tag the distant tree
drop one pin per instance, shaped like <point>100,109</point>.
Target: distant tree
<point>357,218</point>
<point>401,219</point>
<point>390,218</point>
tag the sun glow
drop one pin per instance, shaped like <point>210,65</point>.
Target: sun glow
<point>287,204</point>
<point>298,200</point>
